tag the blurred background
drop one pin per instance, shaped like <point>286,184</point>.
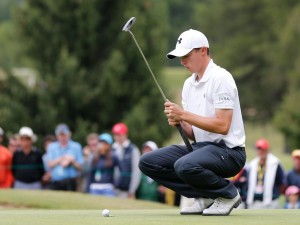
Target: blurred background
<point>68,61</point>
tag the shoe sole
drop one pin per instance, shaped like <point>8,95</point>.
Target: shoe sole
<point>194,213</point>
<point>226,214</point>
<point>187,213</point>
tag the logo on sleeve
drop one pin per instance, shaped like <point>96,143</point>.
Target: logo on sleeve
<point>224,98</point>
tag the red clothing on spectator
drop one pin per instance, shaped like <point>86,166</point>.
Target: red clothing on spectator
<point>6,177</point>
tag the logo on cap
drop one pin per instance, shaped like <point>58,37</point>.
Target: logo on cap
<point>179,40</point>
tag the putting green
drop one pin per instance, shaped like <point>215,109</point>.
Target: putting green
<point>146,217</point>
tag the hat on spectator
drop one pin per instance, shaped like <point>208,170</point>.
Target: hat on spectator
<point>120,128</point>
<point>262,144</point>
<point>106,138</point>
<point>27,132</point>
<point>292,190</point>
<point>62,129</point>
<point>151,144</point>
<point>1,131</point>
<point>296,153</point>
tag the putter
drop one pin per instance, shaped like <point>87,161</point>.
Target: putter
<point>126,28</point>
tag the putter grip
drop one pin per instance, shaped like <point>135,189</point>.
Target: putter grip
<point>184,138</point>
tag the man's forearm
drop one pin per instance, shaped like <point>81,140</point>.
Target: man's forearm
<point>54,162</point>
<point>77,166</point>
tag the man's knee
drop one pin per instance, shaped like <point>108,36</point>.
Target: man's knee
<point>143,162</point>
<point>184,167</point>
<point>147,162</point>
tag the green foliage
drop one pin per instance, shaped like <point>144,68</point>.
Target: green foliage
<point>15,110</point>
<point>5,9</point>
<point>91,74</point>
<point>287,118</point>
<point>242,37</point>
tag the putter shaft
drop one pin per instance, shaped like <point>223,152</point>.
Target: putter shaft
<point>157,84</point>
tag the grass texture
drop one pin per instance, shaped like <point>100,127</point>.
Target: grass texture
<point>147,217</point>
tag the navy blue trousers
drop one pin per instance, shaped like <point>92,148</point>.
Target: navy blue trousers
<point>195,174</point>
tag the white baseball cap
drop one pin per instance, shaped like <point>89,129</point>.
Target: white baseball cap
<point>27,132</point>
<point>151,144</point>
<point>187,41</point>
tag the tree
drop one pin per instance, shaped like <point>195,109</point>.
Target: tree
<point>287,118</point>
<point>15,101</point>
<point>92,76</point>
<point>244,37</point>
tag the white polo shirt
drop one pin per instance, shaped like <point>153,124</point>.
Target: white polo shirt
<point>215,90</point>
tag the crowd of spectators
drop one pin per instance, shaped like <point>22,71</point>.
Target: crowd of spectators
<point>108,165</point>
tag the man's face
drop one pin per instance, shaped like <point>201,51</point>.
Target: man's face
<point>13,145</point>
<point>120,138</point>
<point>93,143</point>
<point>26,142</point>
<point>146,149</point>
<point>193,61</point>
<point>103,147</point>
<point>296,161</point>
<point>262,154</point>
<point>63,138</point>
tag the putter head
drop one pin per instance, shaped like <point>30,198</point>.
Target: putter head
<point>129,24</point>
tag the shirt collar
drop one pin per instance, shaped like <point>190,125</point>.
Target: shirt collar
<point>125,144</point>
<point>66,146</point>
<point>206,74</point>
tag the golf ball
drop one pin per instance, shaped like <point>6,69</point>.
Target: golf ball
<point>105,213</point>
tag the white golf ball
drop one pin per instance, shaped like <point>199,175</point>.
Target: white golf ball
<point>105,213</point>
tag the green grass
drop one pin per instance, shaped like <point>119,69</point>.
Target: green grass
<point>69,200</point>
<point>147,217</point>
<point>19,207</point>
<point>173,79</point>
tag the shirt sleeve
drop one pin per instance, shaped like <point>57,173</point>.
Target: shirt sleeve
<point>50,153</point>
<point>185,93</point>
<point>136,173</point>
<point>225,92</point>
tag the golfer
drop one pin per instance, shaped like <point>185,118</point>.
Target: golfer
<point>211,117</point>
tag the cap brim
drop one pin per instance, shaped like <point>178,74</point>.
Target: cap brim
<point>178,53</point>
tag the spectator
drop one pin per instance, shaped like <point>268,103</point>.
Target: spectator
<point>88,151</point>
<point>129,175</point>
<point>266,178</point>
<point>27,163</point>
<point>148,188</point>
<point>47,176</point>
<point>292,197</point>
<point>65,160</point>
<point>6,177</point>
<point>92,144</point>
<point>293,176</point>
<point>14,143</point>
<point>101,180</point>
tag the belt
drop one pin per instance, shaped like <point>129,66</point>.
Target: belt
<point>239,148</point>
